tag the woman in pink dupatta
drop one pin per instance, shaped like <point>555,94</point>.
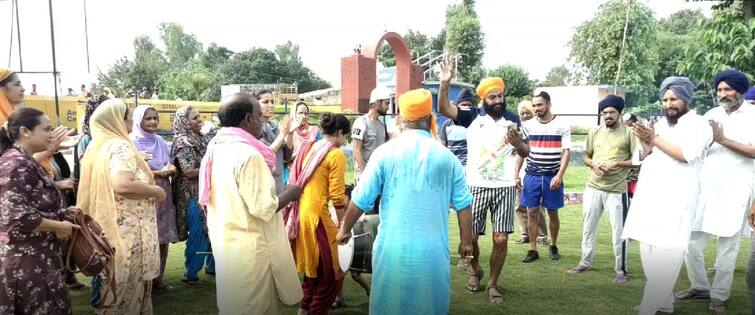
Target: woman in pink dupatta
<point>304,132</point>
<point>319,168</point>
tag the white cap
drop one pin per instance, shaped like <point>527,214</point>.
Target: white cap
<point>380,93</point>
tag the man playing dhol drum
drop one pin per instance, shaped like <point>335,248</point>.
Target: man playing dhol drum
<point>411,261</point>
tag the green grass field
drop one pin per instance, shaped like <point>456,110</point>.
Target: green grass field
<point>542,287</point>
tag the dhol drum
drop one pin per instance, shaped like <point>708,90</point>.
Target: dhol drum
<point>345,254</point>
<point>356,254</point>
<point>364,235</point>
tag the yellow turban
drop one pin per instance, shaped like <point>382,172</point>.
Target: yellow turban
<point>5,106</point>
<point>5,73</point>
<point>415,105</point>
<point>489,84</point>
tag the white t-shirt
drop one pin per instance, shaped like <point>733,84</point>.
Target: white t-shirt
<point>491,160</point>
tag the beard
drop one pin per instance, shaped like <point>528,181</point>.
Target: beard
<point>610,123</point>
<point>495,110</point>
<point>729,103</point>
<point>673,119</point>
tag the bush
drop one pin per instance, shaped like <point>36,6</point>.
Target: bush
<point>579,130</point>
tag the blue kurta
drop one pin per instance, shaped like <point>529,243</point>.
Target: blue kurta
<point>418,179</point>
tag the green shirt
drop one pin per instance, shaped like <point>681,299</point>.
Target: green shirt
<point>606,145</point>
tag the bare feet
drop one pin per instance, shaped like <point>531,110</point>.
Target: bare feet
<point>494,294</point>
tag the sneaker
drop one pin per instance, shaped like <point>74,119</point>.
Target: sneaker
<point>578,269</point>
<point>542,241</point>
<point>554,253</point>
<point>523,240</point>
<point>620,279</point>
<point>693,294</point>
<point>532,255</point>
<point>717,305</point>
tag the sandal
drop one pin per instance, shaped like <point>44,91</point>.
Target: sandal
<point>339,303</point>
<point>693,294</point>
<point>495,298</point>
<point>578,269</point>
<point>76,286</point>
<point>190,281</point>
<point>471,286</point>
<point>161,285</point>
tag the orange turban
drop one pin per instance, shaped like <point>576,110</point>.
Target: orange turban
<point>415,105</point>
<point>5,106</point>
<point>489,84</point>
<point>5,73</point>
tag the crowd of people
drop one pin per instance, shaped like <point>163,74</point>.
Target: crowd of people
<point>264,205</point>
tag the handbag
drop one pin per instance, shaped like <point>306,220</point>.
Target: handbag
<point>89,249</point>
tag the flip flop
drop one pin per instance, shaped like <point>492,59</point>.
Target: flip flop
<point>471,287</point>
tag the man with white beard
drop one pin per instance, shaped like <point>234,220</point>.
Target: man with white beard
<point>725,191</point>
<point>660,216</point>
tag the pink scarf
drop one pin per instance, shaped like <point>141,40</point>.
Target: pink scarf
<point>310,156</point>
<point>229,135</point>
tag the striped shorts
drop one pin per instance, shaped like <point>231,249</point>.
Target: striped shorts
<point>500,202</point>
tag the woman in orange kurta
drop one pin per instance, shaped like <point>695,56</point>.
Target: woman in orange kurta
<point>315,246</point>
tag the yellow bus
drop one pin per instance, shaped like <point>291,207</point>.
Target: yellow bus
<point>72,109</point>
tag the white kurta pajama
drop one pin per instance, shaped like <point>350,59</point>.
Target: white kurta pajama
<point>254,263</point>
<point>725,199</point>
<point>660,216</point>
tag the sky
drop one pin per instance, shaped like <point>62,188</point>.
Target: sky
<point>533,34</point>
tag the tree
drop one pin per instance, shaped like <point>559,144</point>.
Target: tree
<point>257,65</point>
<point>724,41</point>
<point>386,56</point>
<point>116,77</point>
<point>596,45</point>
<point>215,56</point>
<point>293,69</point>
<point>143,71</point>
<point>438,42</point>
<point>673,37</point>
<point>179,46</point>
<point>746,8</point>
<point>681,22</point>
<point>418,44</point>
<point>192,82</point>
<point>518,83</point>
<point>184,70</point>
<point>557,76</point>
<point>464,36</point>
<point>149,63</point>
<point>288,53</point>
